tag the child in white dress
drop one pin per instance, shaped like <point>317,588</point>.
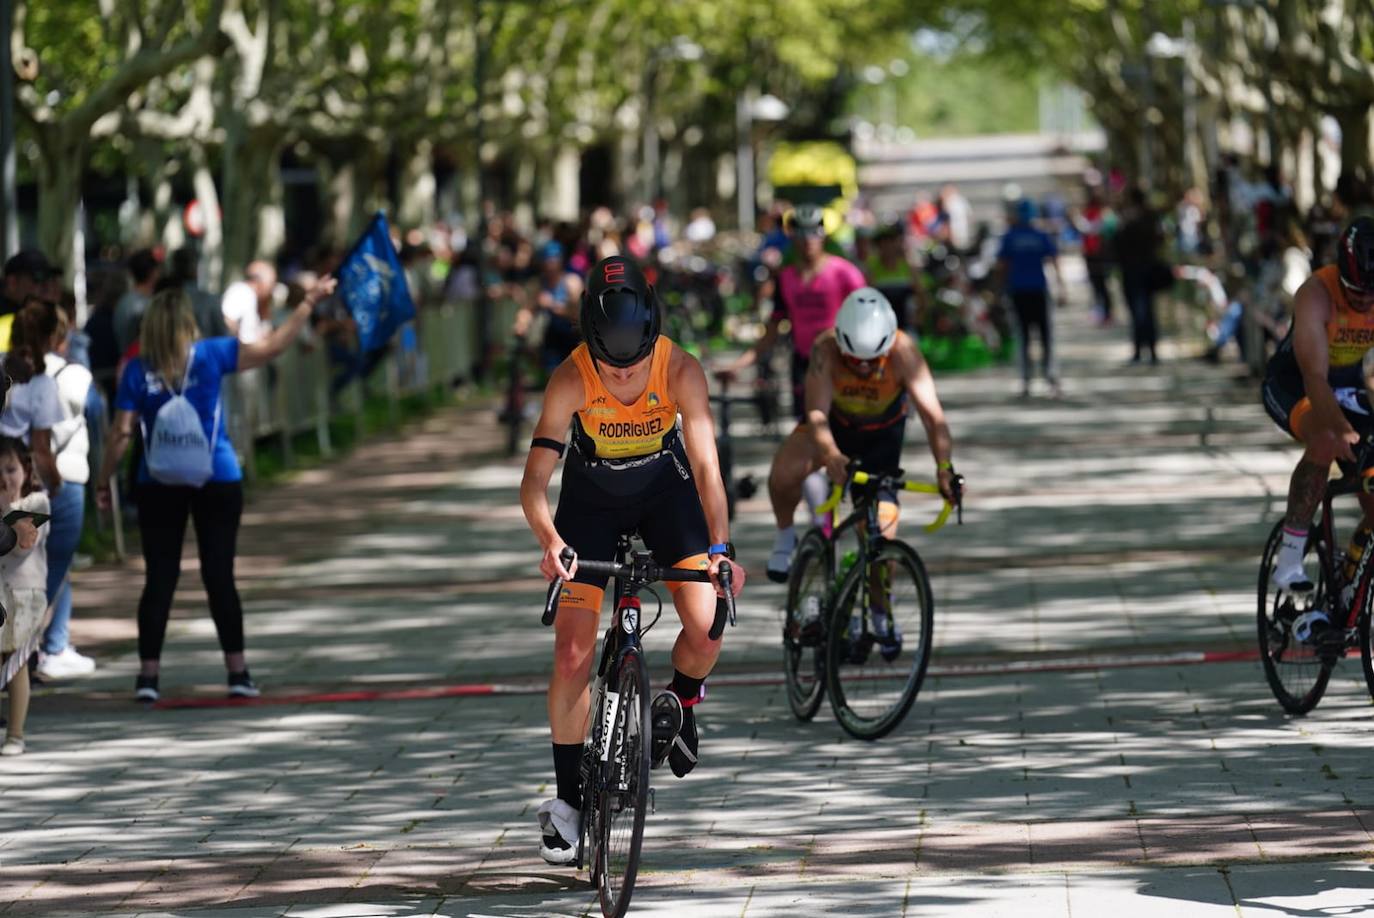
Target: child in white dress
<point>23,583</point>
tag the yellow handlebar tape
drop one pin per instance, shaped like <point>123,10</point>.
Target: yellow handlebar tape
<point>923,487</point>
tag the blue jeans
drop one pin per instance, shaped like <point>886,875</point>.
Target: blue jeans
<point>64,532</point>
<point>1229,324</point>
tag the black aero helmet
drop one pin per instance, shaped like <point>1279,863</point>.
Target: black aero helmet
<point>620,313</point>
<point>1355,256</point>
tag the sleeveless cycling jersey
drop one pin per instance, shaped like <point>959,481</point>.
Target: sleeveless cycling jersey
<point>624,448</point>
<point>881,276</point>
<point>1349,333</point>
<point>811,305</point>
<point>868,402</point>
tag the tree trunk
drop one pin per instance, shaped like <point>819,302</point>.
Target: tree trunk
<point>1354,122</point>
<point>366,173</point>
<point>212,242</point>
<point>61,166</point>
<point>417,187</point>
<point>561,190</point>
<point>250,158</point>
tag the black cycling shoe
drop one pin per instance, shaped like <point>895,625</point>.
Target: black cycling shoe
<point>666,717</point>
<point>682,756</point>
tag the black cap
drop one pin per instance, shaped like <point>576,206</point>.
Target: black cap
<point>32,264</point>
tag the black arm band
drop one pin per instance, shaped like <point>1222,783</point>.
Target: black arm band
<point>548,443</point>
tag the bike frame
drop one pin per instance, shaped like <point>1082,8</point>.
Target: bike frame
<point>623,634</point>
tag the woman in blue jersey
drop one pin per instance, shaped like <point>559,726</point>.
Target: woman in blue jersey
<point>173,358</point>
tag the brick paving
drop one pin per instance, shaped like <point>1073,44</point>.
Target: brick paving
<point>1125,519</point>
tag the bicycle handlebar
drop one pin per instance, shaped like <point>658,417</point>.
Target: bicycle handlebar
<point>650,572</point>
<point>860,477</point>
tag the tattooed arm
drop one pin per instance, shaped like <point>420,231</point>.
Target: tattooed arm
<point>820,392</point>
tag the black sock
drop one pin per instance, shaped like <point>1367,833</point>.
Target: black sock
<point>567,766</point>
<point>687,688</point>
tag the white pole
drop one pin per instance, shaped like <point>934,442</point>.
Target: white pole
<point>744,159</point>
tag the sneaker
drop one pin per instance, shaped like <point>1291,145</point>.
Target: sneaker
<point>780,561</point>
<point>682,757</point>
<point>145,689</point>
<point>13,745</point>
<point>65,665</point>
<point>241,686</point>
<point>666,716</point>
<point>887,633</point>
<point>558,830</point>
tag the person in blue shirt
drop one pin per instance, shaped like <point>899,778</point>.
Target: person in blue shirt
<point>174,358</point>
<point>1021,259</point>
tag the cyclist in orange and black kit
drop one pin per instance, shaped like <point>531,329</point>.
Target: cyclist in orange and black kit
<point>864,376</point>
<point>1314,389</point>
<point>633,466</point>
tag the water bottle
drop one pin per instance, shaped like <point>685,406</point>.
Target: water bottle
<point>850,558</point>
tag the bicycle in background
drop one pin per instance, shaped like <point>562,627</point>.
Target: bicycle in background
<point>861,634</point>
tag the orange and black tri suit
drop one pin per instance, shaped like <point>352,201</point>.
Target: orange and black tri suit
<point>627,471</point>
<point>1349,333</point>
<point>868,414</point>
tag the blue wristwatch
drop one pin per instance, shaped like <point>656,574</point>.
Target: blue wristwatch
<point>723,548</point>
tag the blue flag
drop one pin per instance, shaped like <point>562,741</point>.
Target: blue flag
<point>373,286</point>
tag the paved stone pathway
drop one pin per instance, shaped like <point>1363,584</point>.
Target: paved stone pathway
<point>1118,524</point>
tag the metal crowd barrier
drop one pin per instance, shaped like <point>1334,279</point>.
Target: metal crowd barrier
<point>292,396</point>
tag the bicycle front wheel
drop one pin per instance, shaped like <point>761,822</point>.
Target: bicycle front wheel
<point>879,640</point>
<point>1297,674</point>
<point>625,790</point>
<point>803,628</point>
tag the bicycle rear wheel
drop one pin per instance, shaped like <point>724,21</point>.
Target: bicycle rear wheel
<point>803,629</point>
<point>625,788</point>
<point>879,641</point>
<point>1297,673</point>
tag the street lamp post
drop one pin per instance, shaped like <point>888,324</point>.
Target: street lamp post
<point>750,107</point>
<point>680,48</point>
<point>1184,49</point>
<point>9,230</point>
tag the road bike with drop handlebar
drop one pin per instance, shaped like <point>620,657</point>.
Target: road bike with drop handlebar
<point>862,635</point>
<point>616,754</point>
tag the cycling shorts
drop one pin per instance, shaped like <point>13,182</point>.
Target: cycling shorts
<point>667,516</point>
<point>876,450</point>
<point>1287,404</point>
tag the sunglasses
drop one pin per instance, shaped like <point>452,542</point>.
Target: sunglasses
<point>859,363</point>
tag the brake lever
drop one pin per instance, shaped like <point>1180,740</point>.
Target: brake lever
<point>567,556</point>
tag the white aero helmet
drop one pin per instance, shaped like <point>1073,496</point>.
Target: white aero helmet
<point>866,325</point>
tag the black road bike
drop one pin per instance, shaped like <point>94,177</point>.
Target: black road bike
<point>1298,658</point>
<point>861,635</point>
<point>616,755</point>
